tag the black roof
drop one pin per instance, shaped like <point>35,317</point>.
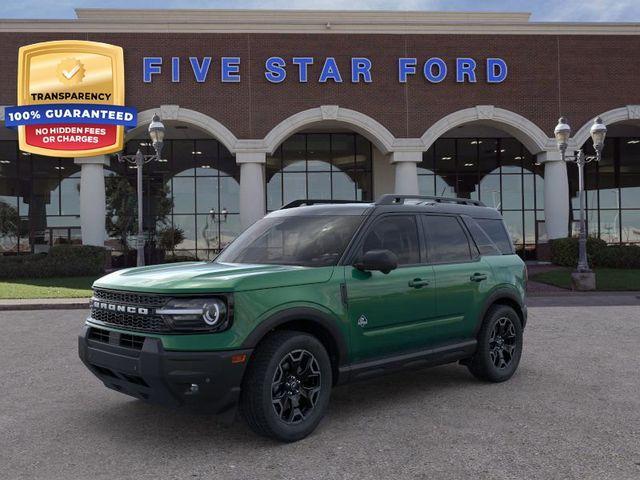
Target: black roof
<point>390,203</point>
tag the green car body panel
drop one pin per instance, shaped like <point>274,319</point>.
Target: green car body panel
<point>365,315</point>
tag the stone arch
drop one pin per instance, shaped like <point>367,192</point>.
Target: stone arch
<point>197,119</point>
<point>527,132</point>
<point>374,131</point>
<point>629,112</point>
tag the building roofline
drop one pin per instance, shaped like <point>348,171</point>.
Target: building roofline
<point>310,21</point>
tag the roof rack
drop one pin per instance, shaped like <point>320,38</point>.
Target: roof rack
<point>301,202</point>
<point>391,199</point>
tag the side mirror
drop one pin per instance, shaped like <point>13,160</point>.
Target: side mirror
<point>381,260</point>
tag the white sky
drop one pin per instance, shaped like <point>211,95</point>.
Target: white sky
<point>542,10</point>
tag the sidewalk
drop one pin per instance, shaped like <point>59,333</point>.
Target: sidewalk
<point>44,304</point>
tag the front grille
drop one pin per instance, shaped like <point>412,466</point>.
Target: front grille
<point>130,298</point>
<point>131,341</point>
<point>128,320</point>
<point>131,321</point>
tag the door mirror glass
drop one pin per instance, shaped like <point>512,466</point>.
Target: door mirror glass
<point>377,260</point>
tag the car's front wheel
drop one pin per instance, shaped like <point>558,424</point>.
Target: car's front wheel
<point>287,386</point>
<point>499,345</point>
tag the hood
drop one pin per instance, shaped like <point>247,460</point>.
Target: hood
<point>201,277</point>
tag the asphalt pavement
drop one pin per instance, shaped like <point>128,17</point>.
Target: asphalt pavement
<point>571,411</point>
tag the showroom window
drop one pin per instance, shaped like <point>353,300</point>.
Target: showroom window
<point>194,189</point>
<point>612,192</point>
<point>332,166</point>
<point>39,200</point>
<point>500,172</point>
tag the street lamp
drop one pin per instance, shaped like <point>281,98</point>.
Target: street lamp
<point>156,133</point>
<point>598,132</point>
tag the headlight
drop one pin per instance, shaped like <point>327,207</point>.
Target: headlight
<point>208,314</point>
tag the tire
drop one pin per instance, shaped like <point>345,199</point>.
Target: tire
<point>499,345</point>
<point>287,386</point>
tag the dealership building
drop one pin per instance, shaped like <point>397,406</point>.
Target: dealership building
<point>265,107</point>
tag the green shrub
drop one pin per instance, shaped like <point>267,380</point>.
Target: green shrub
<point>61,261</point>
<point>618,256</point>
<point>564,252</point>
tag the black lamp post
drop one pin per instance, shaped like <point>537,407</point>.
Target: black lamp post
<point>562,133</point>
<point>156,133</point>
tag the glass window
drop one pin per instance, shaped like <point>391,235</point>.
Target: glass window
<point>294,153</point>
<point>445,156</point>
<point>183,195</point>
<point>184,152</point>
<point>630,190</point>
<point>312,241</point>
<point>496,231</point>
<point>631,226</point>
<point>487,155</point>
<point>319,185</point>
<point>511,155</point>
<point>207,194</point>
<point>629,155</point>
<point>446,240</point>
<point>319,166</point>
<point>467,154</point>
<point>319,152</point>
<point>397,233</point>
<point>485,245</point>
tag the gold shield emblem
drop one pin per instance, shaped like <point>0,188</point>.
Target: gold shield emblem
<point>71,72</point>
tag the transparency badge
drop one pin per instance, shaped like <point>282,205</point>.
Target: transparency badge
<point>70,99</point>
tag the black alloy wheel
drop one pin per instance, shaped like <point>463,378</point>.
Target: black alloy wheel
<point>287,385</point>
<point>296,386</point>
<point>499,345</point>
<point>502,343</point>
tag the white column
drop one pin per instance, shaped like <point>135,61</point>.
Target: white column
<point>406,166</point>
<point>556,194</point>
<point>252,187</point>
<point>92,199</point>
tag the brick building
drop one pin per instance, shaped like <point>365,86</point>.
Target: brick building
<point>264,107</point>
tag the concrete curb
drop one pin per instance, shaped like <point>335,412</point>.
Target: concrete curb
<point>566,298</point>
<point>44,304</point>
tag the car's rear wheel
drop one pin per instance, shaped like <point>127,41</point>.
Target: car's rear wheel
<point>499,345</point>
<point>287,386</point>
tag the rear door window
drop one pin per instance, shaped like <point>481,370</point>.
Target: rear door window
<point>494,227</point>
<point>446,240</point>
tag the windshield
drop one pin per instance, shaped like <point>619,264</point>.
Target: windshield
<point>310,241</point>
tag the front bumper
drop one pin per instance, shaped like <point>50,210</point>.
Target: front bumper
<point>139,366</point>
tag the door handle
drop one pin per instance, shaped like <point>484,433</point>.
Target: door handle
<point>418,282</point>
<point>478,277</point>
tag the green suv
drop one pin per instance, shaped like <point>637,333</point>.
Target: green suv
<point>315,294</point>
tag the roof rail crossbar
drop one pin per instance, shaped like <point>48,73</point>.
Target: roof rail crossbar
<point>301,202</point>
<point>390,199</point>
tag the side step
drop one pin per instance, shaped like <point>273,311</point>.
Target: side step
<point>417,359</point>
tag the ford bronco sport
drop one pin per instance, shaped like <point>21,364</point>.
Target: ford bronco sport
<point>315,294</point>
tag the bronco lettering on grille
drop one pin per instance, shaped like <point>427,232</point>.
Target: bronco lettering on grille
<point>119,308</point>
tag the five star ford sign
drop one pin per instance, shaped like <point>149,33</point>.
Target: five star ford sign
<point>70,99</point>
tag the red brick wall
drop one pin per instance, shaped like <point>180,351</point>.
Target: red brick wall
<point>578,76</point>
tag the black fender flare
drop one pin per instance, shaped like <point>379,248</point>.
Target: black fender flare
<point>307,314</point>
<point>496,296</point>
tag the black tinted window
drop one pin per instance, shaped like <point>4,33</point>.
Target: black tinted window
<point>398,234</point>
<point>446,240</point>
<point>485,245</point>
<point>496,231</point>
